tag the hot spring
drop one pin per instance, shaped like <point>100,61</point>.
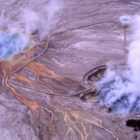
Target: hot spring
<point>119,86</point>
<point>12,43</point>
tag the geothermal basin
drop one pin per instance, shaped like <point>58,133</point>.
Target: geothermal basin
<point>53,95</point>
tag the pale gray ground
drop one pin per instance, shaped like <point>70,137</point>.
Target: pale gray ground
<point>83,46</point>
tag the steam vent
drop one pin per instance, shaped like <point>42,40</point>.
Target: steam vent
<point>70,70</point>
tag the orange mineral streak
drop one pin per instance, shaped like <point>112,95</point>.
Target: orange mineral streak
<point>22,78</point>
<point>30,104</point>
<point>9,71</point>
<point>43,70</point>
<point>33,106</point>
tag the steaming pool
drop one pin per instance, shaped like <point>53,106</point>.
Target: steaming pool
<point>12,43</point>
<point>115,90</point>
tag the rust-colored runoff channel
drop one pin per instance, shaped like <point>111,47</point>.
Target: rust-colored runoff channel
<point>7,70</point>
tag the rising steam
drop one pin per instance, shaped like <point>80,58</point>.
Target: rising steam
<point>31,19</point>
<point>43,21</point>
<point>16,30</point>
<point>119,88</point>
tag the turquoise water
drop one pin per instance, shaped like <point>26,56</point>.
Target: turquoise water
<point>12,43</point>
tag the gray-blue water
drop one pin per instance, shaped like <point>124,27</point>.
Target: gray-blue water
<point>12,43</point>
<point>114,92</point>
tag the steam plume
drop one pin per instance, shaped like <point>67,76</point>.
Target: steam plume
<point>31,18</point>
<point>119,88</point>
<point>17,29</point>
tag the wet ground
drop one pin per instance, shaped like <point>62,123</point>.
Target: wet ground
<point>87,35</point>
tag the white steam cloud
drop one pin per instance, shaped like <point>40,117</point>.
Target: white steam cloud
<point>17,29</point>
<point>33,17</point>
<point>29,19</point>
<point>134,53</point>
<point>119,89</point>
